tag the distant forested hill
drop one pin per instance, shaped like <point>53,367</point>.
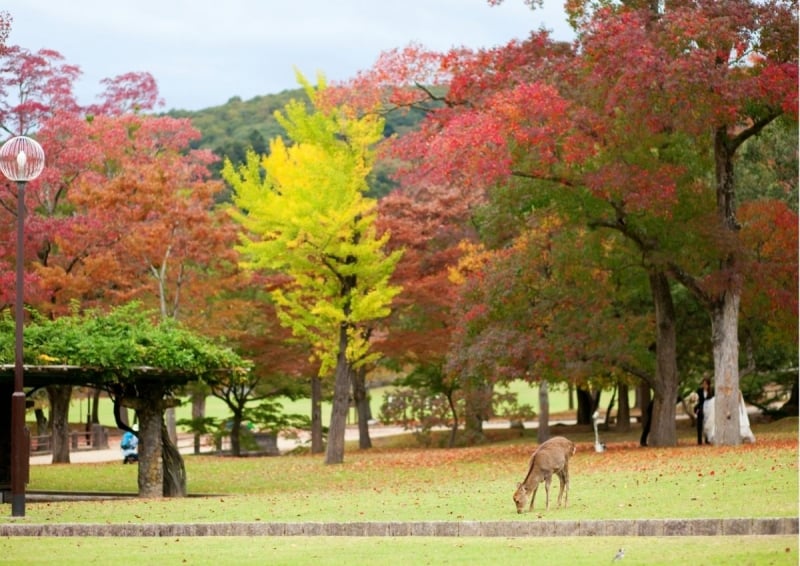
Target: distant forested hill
<point>236,126</point>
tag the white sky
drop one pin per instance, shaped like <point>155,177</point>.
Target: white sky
<point>203,52</point>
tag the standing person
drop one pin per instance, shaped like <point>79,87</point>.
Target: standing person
<point>704,393</point>
<point>130,446</point>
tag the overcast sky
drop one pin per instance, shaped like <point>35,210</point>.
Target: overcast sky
<point>203,52</point>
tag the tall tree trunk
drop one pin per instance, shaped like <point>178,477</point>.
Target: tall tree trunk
<point>96,406</point>
<point>361,399</point>
<point>725,310</point>
<point>477,409</point>
<point>662,428</point>
<point>451,402</point>
<point>59,419</point>
<point>172,427</point>
<point>586,406</point>
<point>151,464</point>
<point>198,412</point>
<point>610,408</point>
<point>236,434</point>
<point>724,324</point>
<point>646,404</point>
<point>623,409</point>
<point>41,422</point>
<point>317,446</point>
<point>543,433</point>
<point>174,484</point>
<point>341,403</point>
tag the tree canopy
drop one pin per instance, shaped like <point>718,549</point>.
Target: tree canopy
<point>632,129</point>
<point>305,215</point>
<point>117,343</point>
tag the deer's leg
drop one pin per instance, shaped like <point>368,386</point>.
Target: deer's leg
<point>560,486</point>
<point>547,479</point>
<point>533,495</point>
<point>563,477</point>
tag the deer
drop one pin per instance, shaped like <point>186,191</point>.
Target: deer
<point>551,457</point>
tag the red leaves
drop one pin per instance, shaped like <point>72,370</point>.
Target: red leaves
<point>641,188</point>
<point>43,84</point>
<point>769,234</point>
<point>130,92</point>
<point>777,84</point>
<point>628,113</point>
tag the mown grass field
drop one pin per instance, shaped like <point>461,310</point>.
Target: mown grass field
<point>399,481</point>
<point>402,551</point>
<point>396,481</point>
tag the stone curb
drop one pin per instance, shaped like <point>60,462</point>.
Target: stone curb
<point>645,527</point>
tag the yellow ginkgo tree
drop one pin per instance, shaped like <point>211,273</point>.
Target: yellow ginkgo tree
<point>304,214</point>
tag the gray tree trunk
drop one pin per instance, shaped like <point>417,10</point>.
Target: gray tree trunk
<point>317,445</point>
<point>724,325</point>
<point>172,428</point>
<point>543,433</point>
<point>477,409</point>
<point>198,412</point>
<point>361,400</point>
<point>96,406</point>
<point>151,464</point>
<point>725,310</point>
<point>41,422</point>
<point>59,420</point>
<point>451,402</point>
<point>662,428</point>
<point>236,433</point>
<point>341,403</point>
<point>174,484</point>
<point>623,410</point>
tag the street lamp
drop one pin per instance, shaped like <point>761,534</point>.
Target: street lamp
<point>21,160</point>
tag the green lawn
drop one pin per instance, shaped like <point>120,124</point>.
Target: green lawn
<point>411,484</point>
<point>398,481</point>
<point>358,551</point>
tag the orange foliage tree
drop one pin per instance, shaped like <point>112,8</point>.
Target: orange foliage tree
<point>125,208</point>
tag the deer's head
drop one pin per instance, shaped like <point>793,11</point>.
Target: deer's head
<point>521,497</point>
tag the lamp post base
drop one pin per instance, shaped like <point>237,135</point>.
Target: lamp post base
<point>19,454</point>
<point>18,505</point>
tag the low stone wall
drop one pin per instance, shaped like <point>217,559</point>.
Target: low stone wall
<point>645,527</point>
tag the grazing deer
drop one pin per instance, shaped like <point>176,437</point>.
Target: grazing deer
<point>551,457</point>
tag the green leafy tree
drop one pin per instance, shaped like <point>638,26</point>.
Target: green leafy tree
<point>304,214</point>
<point>142,362</point>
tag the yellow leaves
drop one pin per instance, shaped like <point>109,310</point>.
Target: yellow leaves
<point>48,359</point>
<point>473,259</point>
<point>304,214</point>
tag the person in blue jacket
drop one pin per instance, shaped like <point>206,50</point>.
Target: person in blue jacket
<point>130,446</point>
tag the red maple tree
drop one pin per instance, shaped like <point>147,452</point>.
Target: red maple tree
<point>624,114</point>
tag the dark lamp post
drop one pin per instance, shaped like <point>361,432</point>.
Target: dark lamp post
<point>21,160</point>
